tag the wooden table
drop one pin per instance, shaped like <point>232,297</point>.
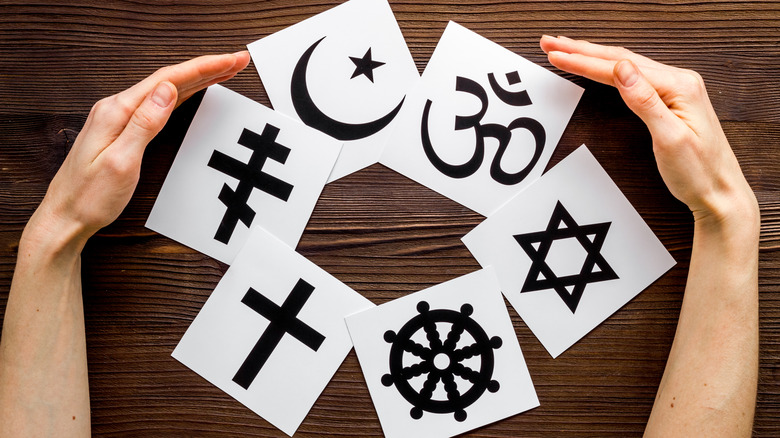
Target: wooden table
<point>377,231</point>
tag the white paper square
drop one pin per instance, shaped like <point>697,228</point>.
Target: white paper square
<point>330,96</point>
<point>628,249</point>
<point>478,295</point>
<point>462,175</point>
<point>225,331</point>
<point>188,208</point>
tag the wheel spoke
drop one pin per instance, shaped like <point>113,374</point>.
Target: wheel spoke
<point>432,334</point>
<point>467,352</point>
<point>453,337</point>
<point>415,370</point>
<point>465,372</point>
<point>430,385</point>
<point>417,349</point>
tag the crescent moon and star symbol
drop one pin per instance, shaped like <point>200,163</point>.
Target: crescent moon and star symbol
<point>311,115</point>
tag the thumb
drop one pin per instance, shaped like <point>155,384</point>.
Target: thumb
<point>643,99</point>
<point>148,119</point>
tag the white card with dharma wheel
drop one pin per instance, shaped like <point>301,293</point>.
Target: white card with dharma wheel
<point>443,361</point>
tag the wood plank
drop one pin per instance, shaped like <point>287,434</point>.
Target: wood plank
<point>377,231</point>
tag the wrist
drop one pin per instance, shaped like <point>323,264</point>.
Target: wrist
<point>735,217</point>
<point>49,237</point>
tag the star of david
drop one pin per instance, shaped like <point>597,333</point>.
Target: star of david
<point>570,287</point>
<point>365,66</point>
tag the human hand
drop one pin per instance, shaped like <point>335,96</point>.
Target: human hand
<point>99,175</point>
<point>691,150</point>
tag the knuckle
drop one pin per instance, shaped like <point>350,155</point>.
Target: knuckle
<point>111,110</point>
<point>647,99</point>
<point>682,138</point>
<point>162,71</point>
<point>691,83</point>
<point>117,164</point>
<point>696,76</point>
<point>122,106</point>
<point>101,107</point>
<point>143,120</point>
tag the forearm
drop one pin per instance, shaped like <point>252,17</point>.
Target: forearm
<point>709,385</point>
<point>43,365</point>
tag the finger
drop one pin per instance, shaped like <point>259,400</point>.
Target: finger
<point>643,99</point>
<point>147,121</point>
<point>568,45</point>
<point>109,116</point>
<point>189,74</point>
<point>187,90</point>
<point>602,70</point>
<point>597,69</point>
<point>188,93</point>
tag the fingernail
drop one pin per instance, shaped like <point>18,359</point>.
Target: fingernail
<point>547,37</point>
<point>561,37</point>
<point>163,95</point>
<point>626,73</point>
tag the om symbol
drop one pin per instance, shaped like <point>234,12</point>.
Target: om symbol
<point>500,132</point>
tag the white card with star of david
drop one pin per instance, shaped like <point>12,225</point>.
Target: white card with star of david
<point>345,72</point>
<point>272,333</point>
<point>569,251</point>
<point>455,339</point>
<point>482,124</point>
<point>241,165</point>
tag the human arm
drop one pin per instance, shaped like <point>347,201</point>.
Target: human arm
<point>710,381</point>
<point>43,364</point>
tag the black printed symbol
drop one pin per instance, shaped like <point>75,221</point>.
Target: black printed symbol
<point>537,245</point>
<point>490,130</point>
<point>250,176</point>
<point>311,115</point>
<point>365,66</point>
<point>282,319</point>
<point>442,362</point>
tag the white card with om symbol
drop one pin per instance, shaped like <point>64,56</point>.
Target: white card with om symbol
<point>482,124</point>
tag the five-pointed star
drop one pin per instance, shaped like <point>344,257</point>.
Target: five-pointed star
<point>563,226</point>
<point>365,66</point>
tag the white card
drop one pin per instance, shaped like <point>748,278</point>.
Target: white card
<point>345,72</point>
<point>569,251</point>
<point>482,124</point>
<point>272,333</point>
<point>444,360</point>
<point>268,167</point>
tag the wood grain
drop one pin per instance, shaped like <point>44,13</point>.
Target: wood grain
<point>377,231</point>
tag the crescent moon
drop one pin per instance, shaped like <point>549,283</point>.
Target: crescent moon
<point>311,115</point>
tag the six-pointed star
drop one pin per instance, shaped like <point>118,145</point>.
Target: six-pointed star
<point>365,66</point>
<point>563,226</point>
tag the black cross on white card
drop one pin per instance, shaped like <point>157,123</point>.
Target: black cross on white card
<point>569,251</point>
<point>241,165</point>
<point>272,333</point>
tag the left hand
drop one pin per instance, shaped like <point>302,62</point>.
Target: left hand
<point>99,175</point>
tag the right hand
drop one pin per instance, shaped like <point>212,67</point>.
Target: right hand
<point>691,150</point>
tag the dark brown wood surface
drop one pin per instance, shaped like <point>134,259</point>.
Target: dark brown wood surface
<point>382,234</point>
